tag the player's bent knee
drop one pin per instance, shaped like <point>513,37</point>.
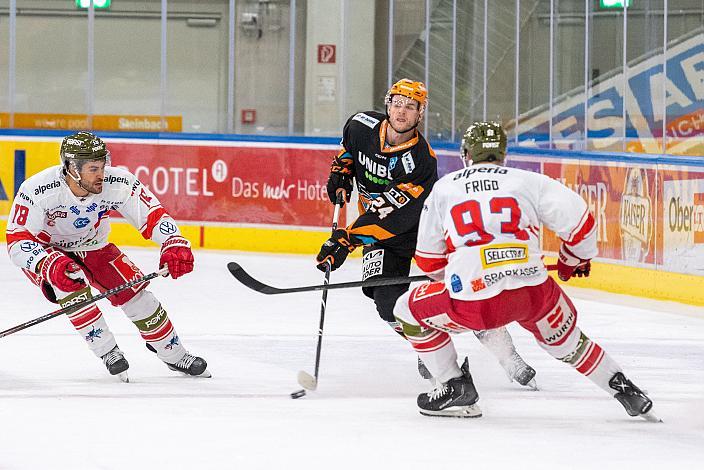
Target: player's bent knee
<point>385,298</point>
<point>566,349</point>
<point>142,305</point>
<point>402,310</point>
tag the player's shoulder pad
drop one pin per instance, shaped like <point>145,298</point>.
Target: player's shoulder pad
<point>371,119</point>
<point>117,177</point>
<point>41,185</point>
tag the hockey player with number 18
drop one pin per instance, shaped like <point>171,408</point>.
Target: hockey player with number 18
<point>57,233</point>
<point>479,237</point>
<point>394,168</point>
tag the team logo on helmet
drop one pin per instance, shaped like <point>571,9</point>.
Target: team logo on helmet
<point>409,89</point>
<point>83,146</point>
<point>484,141</point>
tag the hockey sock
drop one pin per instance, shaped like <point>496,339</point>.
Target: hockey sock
<point>154,325</point>
<point>499,342</point>
<point>396,326</point>
<point>587,357</point>
<point>88,321</point>
<point>436,350</point>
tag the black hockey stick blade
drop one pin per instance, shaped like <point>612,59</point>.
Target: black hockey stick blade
<point>244,277</point>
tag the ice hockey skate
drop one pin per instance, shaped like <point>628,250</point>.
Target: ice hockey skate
<point>116,363</point>
<point>632,398</point>
<point>517,370</point>
<point>189,365</point>
<point>456,398</point>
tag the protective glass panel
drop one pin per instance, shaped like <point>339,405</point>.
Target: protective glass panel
<point>644,87</point>
<point>501,63</point>
<point>409,49</point>
<point>568,74</point>
<point>440,72</point>
<point>470,63</point>
<point>534,61</point>
<point>51,79</point>
<point>197,54</point>
<point>261,67</point>
<point>684,87</point>
<point>128,67</point>
<point>605,113</point>
<point>4,62</point>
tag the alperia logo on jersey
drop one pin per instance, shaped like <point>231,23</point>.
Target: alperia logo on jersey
<point>44,187</point>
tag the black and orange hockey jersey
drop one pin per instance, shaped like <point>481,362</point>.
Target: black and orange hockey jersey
<point>393,182</point>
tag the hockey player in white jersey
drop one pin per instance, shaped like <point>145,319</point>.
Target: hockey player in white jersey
<point>479,238</point>
<point>57,233</point>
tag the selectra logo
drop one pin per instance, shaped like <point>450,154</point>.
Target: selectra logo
<point>497,255</point>
<point>636,216</point>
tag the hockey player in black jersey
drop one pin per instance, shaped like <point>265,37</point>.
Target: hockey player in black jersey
<point>395,169</point>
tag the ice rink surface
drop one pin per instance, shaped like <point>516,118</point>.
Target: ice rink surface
<point>59,409</point>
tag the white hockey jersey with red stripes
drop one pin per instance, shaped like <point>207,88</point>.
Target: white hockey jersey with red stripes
<point>46,213</point>
<point>480,229</point>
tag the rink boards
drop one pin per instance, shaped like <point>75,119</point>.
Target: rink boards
<point>268,195</point>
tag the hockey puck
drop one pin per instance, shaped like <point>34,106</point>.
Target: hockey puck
<point>298,394</point>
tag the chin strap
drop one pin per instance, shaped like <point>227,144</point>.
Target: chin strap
<point>76,179</point>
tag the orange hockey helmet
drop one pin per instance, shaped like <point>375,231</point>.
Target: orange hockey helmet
<point>409,89</point>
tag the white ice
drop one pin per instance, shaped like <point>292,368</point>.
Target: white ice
<point>59,409</point>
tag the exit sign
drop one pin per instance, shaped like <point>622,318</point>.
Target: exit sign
<point>96,4</point>
<point>606,4</point>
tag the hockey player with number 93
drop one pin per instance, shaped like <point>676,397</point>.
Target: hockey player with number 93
<point>57,233</point>
<point>479,237</point>
<point>394,169</point>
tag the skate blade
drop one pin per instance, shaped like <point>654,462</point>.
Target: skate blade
<point>124,377</point>
<point>532,385</point>
<point>650,417</point>
<point>470,411</point>
<point>307,381</point>
<point>203,375</point>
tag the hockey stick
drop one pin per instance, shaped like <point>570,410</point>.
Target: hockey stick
<point>245,278</point>
<point>77,306</point>
<point>305,380</point>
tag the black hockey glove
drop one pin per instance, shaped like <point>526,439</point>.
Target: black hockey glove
<point>334,251</point>
<point>339,181</point>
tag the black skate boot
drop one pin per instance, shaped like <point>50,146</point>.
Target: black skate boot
<point>455,398</point>
<point>188,364</point>
<point>191,365</point>
<point>116,363</point>
<point>517,369</point>
<point>632,398</point>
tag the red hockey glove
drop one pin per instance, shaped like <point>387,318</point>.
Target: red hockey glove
<point>62,272</point>
<point>335,250</point>
<point>570,265</point>
<point>177,255</point>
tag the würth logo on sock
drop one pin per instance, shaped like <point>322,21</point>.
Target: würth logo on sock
<point>555,318</point>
